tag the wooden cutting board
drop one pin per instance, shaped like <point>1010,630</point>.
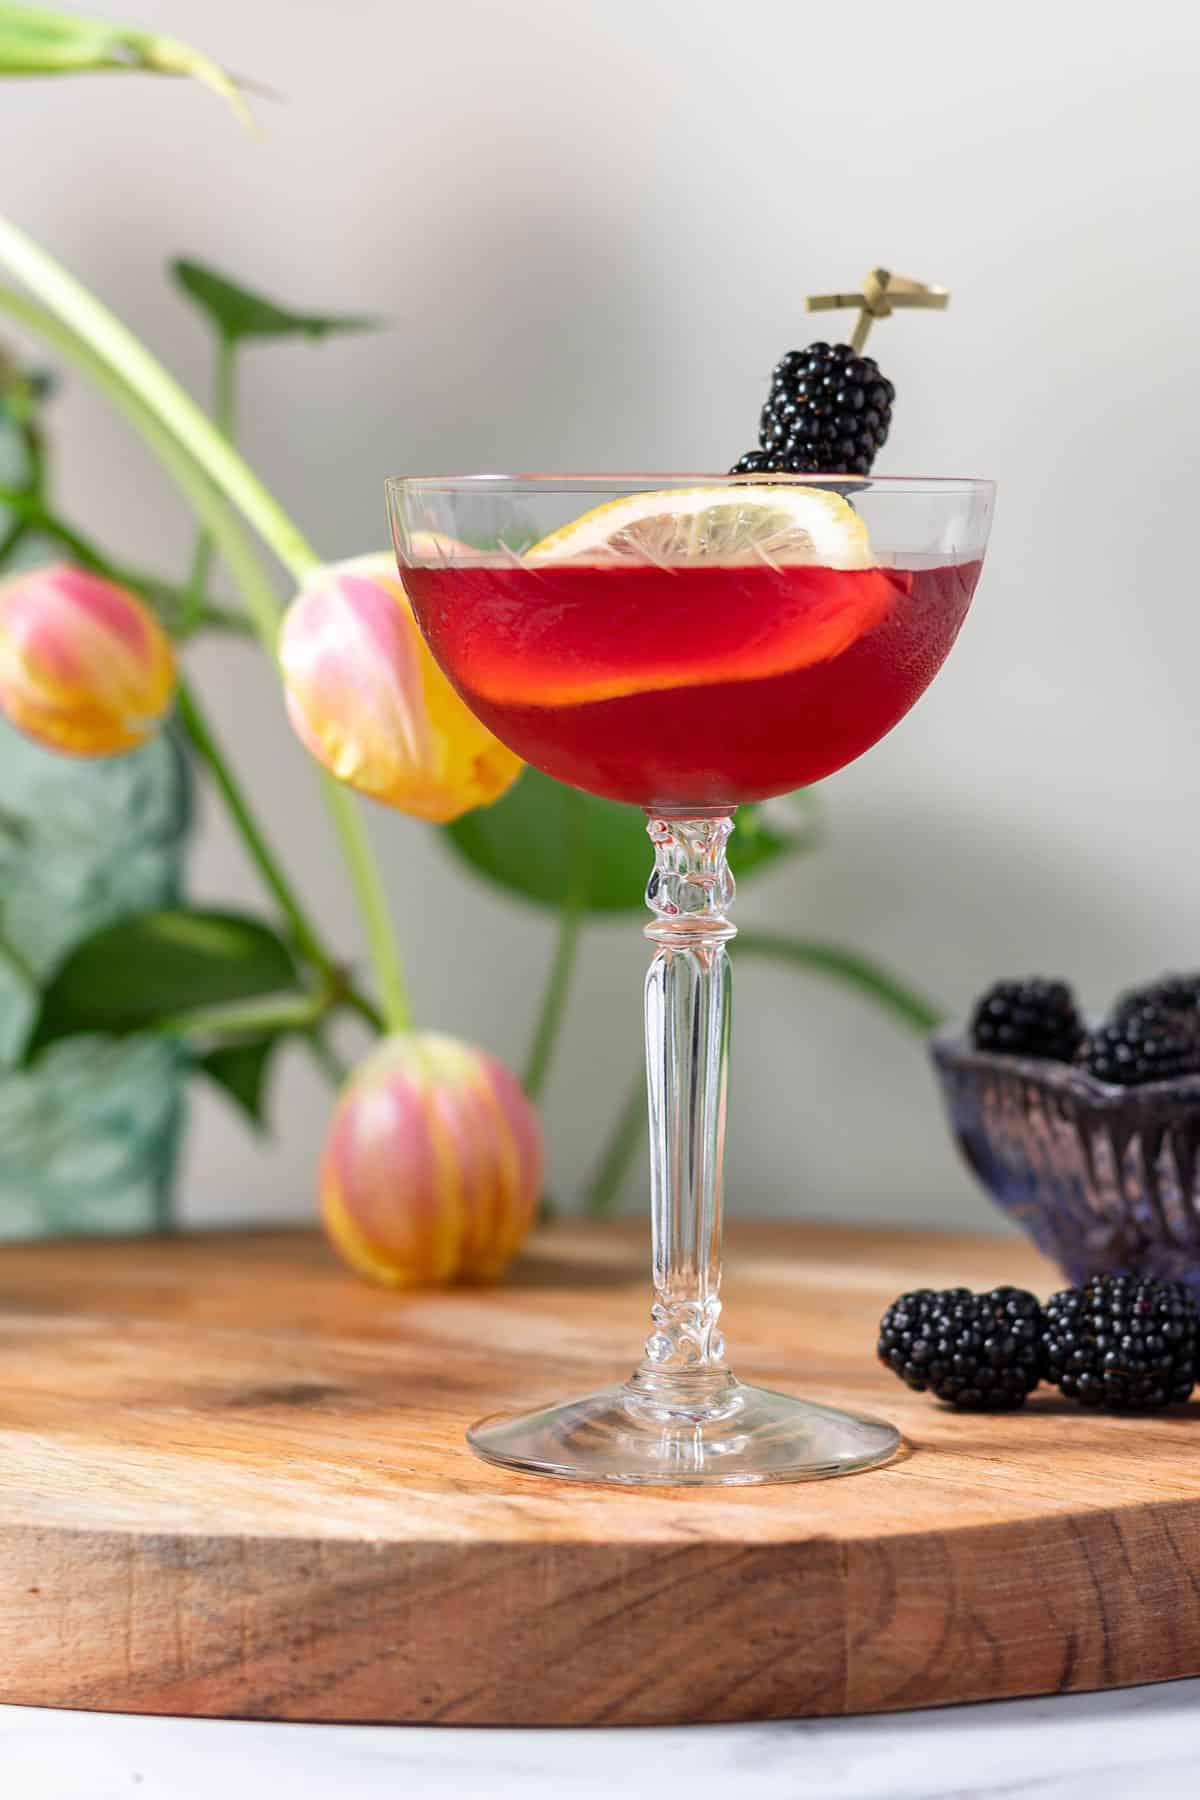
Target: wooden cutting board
<point>233,1481</point>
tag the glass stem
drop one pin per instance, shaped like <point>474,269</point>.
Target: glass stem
<point>687,1053</point>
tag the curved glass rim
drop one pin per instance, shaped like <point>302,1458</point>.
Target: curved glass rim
<point>643,480</point>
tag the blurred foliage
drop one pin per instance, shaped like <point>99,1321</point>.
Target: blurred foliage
<point>83,844</point>
<point>150,972</point>
<point>240,1070</point>
<point>88,1131</point>
<point>88,1137</point>
<point>37,41</point>
<point>237,314</point>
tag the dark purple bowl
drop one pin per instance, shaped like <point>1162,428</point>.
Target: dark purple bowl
<point>1106,1180</point>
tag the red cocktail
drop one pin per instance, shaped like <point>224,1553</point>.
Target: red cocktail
<point>694,686</point>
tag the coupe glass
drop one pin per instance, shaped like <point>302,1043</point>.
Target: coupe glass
<point>686,673</point>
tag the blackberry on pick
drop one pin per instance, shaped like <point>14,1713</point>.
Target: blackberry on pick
<point>977,1352</point>
<point>1142,1044</point>
<point>829,411</point>
<point>1170,993</point>
<point>1122,1343</point>
<point>1028,1018</point>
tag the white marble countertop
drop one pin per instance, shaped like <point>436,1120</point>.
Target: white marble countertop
<point>1139,1744</point>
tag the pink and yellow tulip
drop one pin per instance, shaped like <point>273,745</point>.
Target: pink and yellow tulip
<point>85,667</point>
<point>432,1168</point>
<point>367,699</point>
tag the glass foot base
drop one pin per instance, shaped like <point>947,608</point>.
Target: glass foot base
<point>646,1433</point>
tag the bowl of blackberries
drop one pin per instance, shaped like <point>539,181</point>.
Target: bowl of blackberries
<point>1086,1131</point>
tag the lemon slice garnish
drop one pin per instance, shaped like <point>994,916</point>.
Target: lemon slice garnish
<point>727,624</point>
<point>776,525</point>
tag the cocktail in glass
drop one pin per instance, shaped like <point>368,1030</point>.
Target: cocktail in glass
<point>687,644</point>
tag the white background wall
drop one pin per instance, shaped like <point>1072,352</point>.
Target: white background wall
<point>592,226</point>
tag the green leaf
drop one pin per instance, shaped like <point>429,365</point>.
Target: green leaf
<point>35,41</point>
<point>237,313</point>
<point>242,1071</point>
<point>159,965</point>
<point>521,844</point>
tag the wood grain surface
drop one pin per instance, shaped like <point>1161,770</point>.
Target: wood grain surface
<point>233,1481</point>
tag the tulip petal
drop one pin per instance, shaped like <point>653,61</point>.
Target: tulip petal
<point>85,667</point>
<point>367,699</point>
<point>384,1192</point>
<point>432,1166</point>
<point>495,1229</point>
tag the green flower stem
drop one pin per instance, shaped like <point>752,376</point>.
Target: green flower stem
<point>307,939</point>
<point>169,602</point>
<point>603,1190</point>
<point>373,905</point>
<point>225,418</point>
<point>112,344</point>
<point>554,1000</point>
<point>327,1059</point>
<point>35,515</point>
<point>562,967</point>
<point>905,1005</point>
<point>250,1018</point>
<point>12,539</point>
<point>871,979</point>
<point>208,617</point>
<point>256,591</point>
<point>35,456</point>
<point>347,819</point>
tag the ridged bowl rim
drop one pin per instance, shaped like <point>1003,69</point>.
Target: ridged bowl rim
<point>951,1048</point>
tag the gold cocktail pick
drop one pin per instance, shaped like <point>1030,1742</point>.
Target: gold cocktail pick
<point>882,292</point>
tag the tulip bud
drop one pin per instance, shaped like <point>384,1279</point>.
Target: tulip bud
<point>85,667</point>
<point>432,1168</point>
<point>367,699</point>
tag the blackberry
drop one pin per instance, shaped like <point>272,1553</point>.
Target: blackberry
<point>757,462</point>
<point>979,1352</point>
<point>1143,1044</point>
<point>1170,993</point>
<point>1122,1343</point>
<point>828,411</point>
<point>1028,1018</point>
